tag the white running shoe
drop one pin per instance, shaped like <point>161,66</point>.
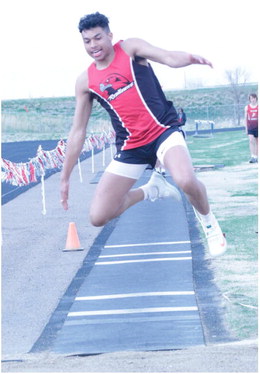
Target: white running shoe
<point>217,243</point>
<point>158,187</point>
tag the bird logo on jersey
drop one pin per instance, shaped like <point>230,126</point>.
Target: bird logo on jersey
<point>114,85</point>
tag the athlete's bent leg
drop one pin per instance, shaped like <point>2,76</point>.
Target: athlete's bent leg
<point>178,161</point>
<point>174,155</point>
<point>112,197</point>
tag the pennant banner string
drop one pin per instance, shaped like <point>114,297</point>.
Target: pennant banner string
<point>24,173</point>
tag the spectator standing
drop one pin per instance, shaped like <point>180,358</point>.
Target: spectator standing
<point>251,124</point>
<point>181,117</point>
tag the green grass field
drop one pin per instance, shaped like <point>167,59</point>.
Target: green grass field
<point>228,147</point>
<point>233,194</point>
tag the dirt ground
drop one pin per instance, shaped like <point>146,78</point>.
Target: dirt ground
<point>226,358</point>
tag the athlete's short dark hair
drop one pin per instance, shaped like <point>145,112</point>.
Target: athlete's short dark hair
<point>94,20</point>
<point>253,95</point>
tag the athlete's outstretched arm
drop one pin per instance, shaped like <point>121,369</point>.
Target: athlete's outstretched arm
<point>175,59</point>
<point>77,135</point>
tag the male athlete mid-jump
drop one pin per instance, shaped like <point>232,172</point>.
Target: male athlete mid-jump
<point>146,126</point>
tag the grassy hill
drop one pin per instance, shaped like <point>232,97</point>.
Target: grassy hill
<point>213,103</point>
<point>210,96</point>
<point>52,117</point>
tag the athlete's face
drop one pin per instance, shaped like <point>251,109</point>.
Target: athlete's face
<point>253,100</point>
<point>98,43</point>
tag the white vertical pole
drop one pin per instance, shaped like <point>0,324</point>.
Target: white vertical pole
<point>104,155</point>
<point>80,173</point>
<point>43,195</point>
<point>92,160</point>
<point>111,151</point>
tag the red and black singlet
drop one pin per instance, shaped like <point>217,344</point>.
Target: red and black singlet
<point>133,97</point>
<point>252,117</point>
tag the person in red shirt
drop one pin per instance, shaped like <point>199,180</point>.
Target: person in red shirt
<point>146,125</point>
<point>251,124</point>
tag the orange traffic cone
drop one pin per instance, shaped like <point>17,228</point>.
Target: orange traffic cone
<point>72,243</point>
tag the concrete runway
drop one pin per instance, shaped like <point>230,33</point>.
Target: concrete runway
<point>36,275</point>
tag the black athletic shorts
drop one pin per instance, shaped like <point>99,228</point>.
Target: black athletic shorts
<point>253,132</point>
<point>145,154</point>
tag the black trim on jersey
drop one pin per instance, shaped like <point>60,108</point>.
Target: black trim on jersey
<point>122,134</point>
<point>153,95</point>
